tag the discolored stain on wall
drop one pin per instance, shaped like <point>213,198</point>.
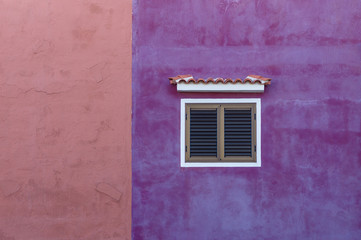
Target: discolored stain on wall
<point>83,34</point>
<point>96,9</point>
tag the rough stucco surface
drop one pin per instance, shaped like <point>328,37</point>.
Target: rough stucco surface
<point>65,102</point>
<point>309,184</point>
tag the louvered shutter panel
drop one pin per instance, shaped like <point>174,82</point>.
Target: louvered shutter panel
<point>203,132</point>
<point>237,132</point>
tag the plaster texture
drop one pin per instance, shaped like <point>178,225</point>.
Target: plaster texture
<point>309,184</point>
<point>65,119</point>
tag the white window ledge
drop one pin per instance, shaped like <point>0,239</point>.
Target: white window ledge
<point>220,87</point>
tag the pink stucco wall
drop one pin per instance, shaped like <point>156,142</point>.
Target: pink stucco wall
<point>65,122</point>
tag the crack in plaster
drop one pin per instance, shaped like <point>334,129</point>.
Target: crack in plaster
<point>99,71</point>
<point>24,92</point>
<point>9,187</point>
<point>108,190</point>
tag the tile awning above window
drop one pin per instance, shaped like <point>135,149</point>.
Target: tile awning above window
<point>252,83</point>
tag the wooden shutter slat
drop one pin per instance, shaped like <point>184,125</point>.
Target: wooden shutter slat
<point>203,132</point>
<point>237,132</point>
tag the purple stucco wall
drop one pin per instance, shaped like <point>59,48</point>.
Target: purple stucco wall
<point>309,184</point>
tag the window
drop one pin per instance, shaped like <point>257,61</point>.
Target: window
<point>220,133</point>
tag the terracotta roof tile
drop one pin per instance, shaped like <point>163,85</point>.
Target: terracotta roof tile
<point>249,79</point>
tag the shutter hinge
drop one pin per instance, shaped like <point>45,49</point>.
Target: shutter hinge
<point>254,116</point>
<point>255,147</point>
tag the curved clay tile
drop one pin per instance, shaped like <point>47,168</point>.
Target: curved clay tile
<point>260,77</point>
<point>175,80</point>
<point>257,81</point>
<point>181,80</point>
<point>228,80</point>
<point>252,79</point>
<point>262,80</point>
<point>247,80</point>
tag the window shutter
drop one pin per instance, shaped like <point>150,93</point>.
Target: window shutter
<point>203,132</point>
<point>237,132</point>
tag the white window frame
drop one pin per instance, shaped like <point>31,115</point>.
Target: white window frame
<point>185,101</point>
